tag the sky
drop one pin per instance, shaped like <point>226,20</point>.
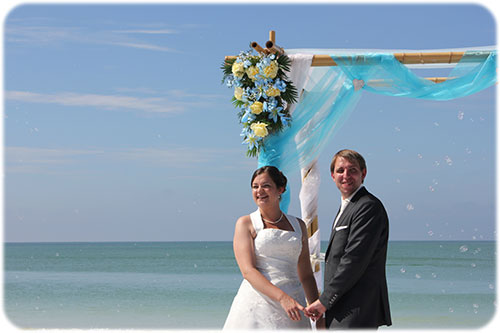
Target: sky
<point>117,127</point>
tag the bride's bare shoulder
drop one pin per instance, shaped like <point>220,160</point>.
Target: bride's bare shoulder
<point>244,221</point>
<point>244,224</point>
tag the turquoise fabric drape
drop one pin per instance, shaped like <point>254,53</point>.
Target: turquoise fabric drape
<point>475,72</point>
<point>330,96</point>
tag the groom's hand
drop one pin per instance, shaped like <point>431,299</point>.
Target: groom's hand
<point>315,310</point>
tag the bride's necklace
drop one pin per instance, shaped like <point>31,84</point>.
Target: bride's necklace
<point>272,222</point>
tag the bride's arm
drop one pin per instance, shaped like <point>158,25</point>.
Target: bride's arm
<point>245,257</point>
<point>306,274</point>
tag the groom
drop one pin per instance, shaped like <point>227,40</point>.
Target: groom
<point>355,289</point>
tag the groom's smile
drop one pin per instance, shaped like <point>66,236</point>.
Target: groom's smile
<point>348,176</point>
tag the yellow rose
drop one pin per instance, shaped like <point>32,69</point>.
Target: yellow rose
<point>238,69</point>
<point>259,129</point>
<point>272,70</point>
<point>251,72</point>
<point>238,93</point>
<point>273,92</point>
<point>257,107</point>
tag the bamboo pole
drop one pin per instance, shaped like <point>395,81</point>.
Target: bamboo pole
<point>387,83</point>
<point>438,79</point>
<point>271,44</point>
<point>320,60</point>
<point>256,47</point>
<point>405,58</point>
<point>273,48</point>
<point>272,36</point>
<point>410,58</point>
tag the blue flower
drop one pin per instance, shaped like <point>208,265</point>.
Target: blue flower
<point>245,131</point>
<point>237,82</point>
<point>260,82</point>
<point>280,84</point>
<point>265,107</point>
<point>247,63</point>
<point>272,102</point>
<point>252,141</point>
<point>263,63</point>
<point>248,116</point>
<point>275,113</point>
<point>256,93</point>
<point>285,120</point>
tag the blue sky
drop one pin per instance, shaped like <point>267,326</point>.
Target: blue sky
<point>117,126</point>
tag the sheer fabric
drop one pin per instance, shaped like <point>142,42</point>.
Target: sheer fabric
<point>329,96</point>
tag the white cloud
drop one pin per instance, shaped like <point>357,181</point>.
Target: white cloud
<point>165,102</point>
<point>24,33</point>
<point>38,34</point>
<point>41,160</point>
<point>54,161</point>
<point>45,155</point>
<point>144,46</point>
<point>156,104</point>
<point>148,32</point>
<point>172,157</point>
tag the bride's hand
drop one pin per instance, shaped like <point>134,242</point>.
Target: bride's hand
<point>291,307</point>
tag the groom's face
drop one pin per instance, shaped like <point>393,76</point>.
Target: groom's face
<point>348,176</point>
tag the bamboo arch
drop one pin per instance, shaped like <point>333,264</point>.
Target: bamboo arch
<point>310,174</point>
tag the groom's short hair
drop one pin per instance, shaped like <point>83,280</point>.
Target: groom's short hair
<point>350,155</point>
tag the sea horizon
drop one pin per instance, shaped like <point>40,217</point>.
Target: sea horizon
<point>159,284</point>
<point>224,241</point>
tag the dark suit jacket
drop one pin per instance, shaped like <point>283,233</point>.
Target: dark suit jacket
<point>355,289</point>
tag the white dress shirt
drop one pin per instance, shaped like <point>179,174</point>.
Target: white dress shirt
<point>343,205</point>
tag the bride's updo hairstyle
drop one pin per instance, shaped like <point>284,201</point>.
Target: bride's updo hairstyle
<point>277,176</point>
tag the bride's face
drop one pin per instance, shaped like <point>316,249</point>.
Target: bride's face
<point>265,191</point>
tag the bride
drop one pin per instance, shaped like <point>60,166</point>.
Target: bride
<point>272,252</point>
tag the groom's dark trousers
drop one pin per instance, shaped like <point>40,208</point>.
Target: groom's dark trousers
<point>355,289</point>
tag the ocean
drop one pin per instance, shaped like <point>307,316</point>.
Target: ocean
<point>190,285</point>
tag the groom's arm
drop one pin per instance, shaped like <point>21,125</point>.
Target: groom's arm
<point>364,235</point>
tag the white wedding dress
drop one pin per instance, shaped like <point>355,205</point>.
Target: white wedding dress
<point>277,252</point>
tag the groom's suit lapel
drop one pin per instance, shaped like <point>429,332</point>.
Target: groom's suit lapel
<point>333,229</point>
<point>344,219</point>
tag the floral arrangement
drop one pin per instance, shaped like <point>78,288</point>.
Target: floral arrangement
<point>261,93</point>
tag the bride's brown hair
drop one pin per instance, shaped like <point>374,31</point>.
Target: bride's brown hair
<point>277,176</point>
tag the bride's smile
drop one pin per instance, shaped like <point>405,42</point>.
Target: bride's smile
<point>264,190</point>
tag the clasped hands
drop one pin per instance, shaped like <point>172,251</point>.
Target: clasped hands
<point>314,311</point>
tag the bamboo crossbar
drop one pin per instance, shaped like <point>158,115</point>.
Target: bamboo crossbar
<point>410,58</point>
<point>384,83</point>
<point>404,57</point>
<point>320,60</point>
<point>407,58</point>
